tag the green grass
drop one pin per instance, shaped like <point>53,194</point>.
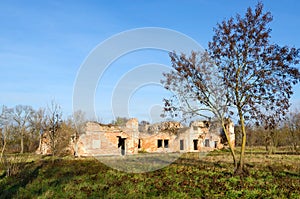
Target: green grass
<point>191,176</point>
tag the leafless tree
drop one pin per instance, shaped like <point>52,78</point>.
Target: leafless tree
<point>5,122</point>
<point>53,124</point>
<point>199,91</point>
<point>11,163</point>
<point>120,121</point>
<point>21,115</point>
<point>79,122</point>
<point>293,129</point>
<point>37,126</point>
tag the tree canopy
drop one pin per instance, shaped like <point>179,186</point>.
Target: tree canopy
<point>241,74</point>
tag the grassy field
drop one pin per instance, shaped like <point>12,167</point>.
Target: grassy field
<point>270,176</point>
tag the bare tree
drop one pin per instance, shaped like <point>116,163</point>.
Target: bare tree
<point>37,126</point>
<point>64,137</point>
<point>5,122</point>
<point>120,121</point>
<point>293,129</point>
<point>11,163</point>
<point>199,91</point>
<point>21,115</point>
<point>53,123</point>
<point>79,122</point>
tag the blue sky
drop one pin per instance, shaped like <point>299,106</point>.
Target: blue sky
<point>44,43</point>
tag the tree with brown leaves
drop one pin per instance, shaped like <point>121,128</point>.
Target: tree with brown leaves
<point>255,75</point>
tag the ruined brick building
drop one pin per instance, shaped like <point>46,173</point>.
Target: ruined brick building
<point>100,139</point>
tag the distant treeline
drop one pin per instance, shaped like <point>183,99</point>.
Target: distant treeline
<point>21,128</point>
<point>286,133</point>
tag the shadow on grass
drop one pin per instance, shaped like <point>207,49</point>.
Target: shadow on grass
<point>30,172</point>
<point>273,153</point>
<point>2,175</point>
<point>291,174</point>
<point>26,176</point>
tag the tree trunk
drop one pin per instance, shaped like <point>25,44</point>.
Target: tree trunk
<point>53,150</point>
<point>22,142</point>
<point>3,148</point>
<point>241,169</point>
<point>230,145</point>
<point>76,149</point>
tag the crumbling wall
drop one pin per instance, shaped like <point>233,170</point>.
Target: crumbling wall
<point>207,133</point>
<point>132,129</point>
<point>44,145</point>
<point>171,127</point>
<point>216,128</point>
<point>160,137</point>
<point>102,139</point>
<point>107,139</point>
<point>199,136</point>
<point>230,126</point>
<point>150,142</point>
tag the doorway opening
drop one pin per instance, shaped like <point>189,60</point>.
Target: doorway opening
<point>195,144</point>
<point>181,145</point>
<point>121,144</point>
<point>206,143</point>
